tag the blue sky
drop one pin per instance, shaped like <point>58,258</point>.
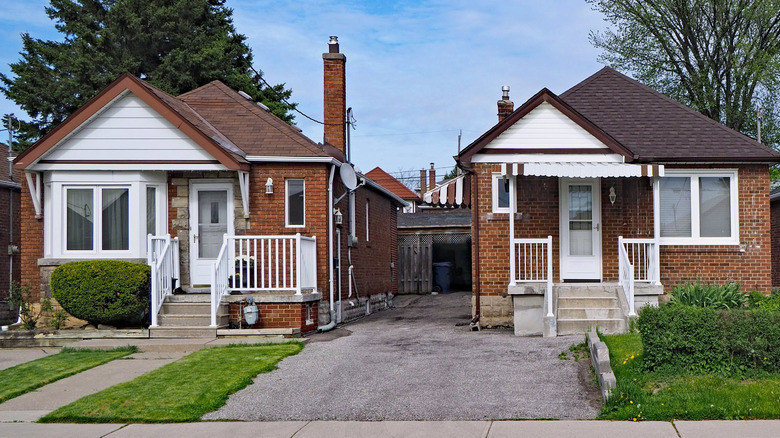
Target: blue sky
<point>417,71</point>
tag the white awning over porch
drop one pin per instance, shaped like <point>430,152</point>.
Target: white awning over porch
<point>582,169</point>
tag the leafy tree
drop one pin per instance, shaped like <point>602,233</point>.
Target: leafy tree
<point>720,57</point>
<point>176,45</point>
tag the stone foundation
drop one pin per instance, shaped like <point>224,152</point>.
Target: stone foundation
<point>496,310</point>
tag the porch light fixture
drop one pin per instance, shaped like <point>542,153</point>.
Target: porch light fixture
<point>612,195</point>
<point>338,217</point>
<point>269,187</point>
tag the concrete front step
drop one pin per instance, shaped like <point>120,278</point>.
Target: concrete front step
<point>183,332</point>
<point>188,298</point>
<point>187,308</point>
<point>577,291</point>
<point>577,326</point>
<point>589,313</point>
<point>180,320</point>
<point>588,302</point>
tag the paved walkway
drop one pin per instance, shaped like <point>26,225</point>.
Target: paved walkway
<point>35,404</point>
<point>400,429</point>
<point>414,363</point>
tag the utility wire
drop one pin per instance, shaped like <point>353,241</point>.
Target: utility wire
<point>292,106</point>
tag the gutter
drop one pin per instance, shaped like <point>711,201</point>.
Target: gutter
<point>329,326</point>
<point>474,240</point>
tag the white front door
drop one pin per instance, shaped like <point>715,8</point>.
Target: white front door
<point>211,217</point>
<point>580,213</point>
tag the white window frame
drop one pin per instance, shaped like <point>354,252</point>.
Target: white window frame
<point>694,175</point>
<point>55,216</point>
<point>367,223</point>
<point>97,219</point>
<point>498,179</point>
<point>286,206</point>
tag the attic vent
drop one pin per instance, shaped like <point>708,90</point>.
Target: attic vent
<point>263,106</point>
<point>244,95</point>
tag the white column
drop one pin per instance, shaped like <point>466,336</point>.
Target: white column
<point>656,231</point>
<point>512,209</point>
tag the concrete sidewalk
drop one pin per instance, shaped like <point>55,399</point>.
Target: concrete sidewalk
<point>406,429</point>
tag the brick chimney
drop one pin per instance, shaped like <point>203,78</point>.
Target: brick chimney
<point>432,177</point>
<point>423,178</point>
<point>335,98</point>
<point>505,106</point>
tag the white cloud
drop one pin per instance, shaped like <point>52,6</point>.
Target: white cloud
<point>417,71</point>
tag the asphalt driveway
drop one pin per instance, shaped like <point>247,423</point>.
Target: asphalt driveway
<point>413,363</point>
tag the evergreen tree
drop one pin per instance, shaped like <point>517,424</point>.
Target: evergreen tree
<point>176,45</point>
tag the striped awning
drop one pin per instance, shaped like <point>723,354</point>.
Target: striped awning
<point>582,169</point>
<point>454,192</point>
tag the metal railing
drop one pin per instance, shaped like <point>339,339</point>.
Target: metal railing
<point>642,255</point>
<point>163,258</point>
<point>637,262</point>
<point>531,261</point>
<point>263,263</point>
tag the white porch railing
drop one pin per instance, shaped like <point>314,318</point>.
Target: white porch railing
<point>163,259</point>
<point>637,262</point>
<point>263,263</point>
<point>531,261</point>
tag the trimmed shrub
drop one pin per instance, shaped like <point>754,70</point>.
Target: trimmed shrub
<point>681,338</point>
<point>109,292</point>
<point>727,296</point>
<point>735,342</point>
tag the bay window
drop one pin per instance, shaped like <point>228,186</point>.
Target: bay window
<point>102,214</point>
<point>698,207</point>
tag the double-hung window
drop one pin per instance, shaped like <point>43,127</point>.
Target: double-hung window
<point>294,203</point>
<point>699,207</point>
<point>500,193</point>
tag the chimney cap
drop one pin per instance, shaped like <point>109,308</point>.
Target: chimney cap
<point>505,91</point>
<point>333,44</point>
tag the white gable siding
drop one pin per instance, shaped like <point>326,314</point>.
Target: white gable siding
<point>128,130</point>
<point>545,128</point>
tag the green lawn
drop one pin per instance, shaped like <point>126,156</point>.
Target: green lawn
<point>650,396</point>
<point>181,391</point>
<point>29,376</point>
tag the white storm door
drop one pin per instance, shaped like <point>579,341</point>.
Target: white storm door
<point>211,217</point>
<point>580,215</point>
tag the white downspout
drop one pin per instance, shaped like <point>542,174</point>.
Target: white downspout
<point>332,323</point>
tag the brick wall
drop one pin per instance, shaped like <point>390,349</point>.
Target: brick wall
<point>278,315</point>
<point>31,245</point>
<point>724,263</point>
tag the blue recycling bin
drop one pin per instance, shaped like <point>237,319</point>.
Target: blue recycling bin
<point>441,276</point>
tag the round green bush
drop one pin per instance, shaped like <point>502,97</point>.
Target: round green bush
<point>108,292</point>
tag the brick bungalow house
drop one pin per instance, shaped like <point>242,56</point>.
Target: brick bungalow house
<point>590,204</point>
<point>219,196</point>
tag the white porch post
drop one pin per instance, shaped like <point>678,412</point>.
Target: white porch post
<point>656,274</point>
<point>243,185</point>
<point>512,208</point>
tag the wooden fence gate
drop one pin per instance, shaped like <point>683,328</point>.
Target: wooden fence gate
<point>415,255</point>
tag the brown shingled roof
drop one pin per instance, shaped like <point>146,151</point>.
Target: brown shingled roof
<point>253,129</point>
<point>655,127</point>
<point>387,181</point>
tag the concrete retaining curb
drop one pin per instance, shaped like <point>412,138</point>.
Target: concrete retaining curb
<point>599,357</point>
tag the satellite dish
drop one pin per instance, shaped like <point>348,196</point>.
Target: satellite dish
<point>348,176</point>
